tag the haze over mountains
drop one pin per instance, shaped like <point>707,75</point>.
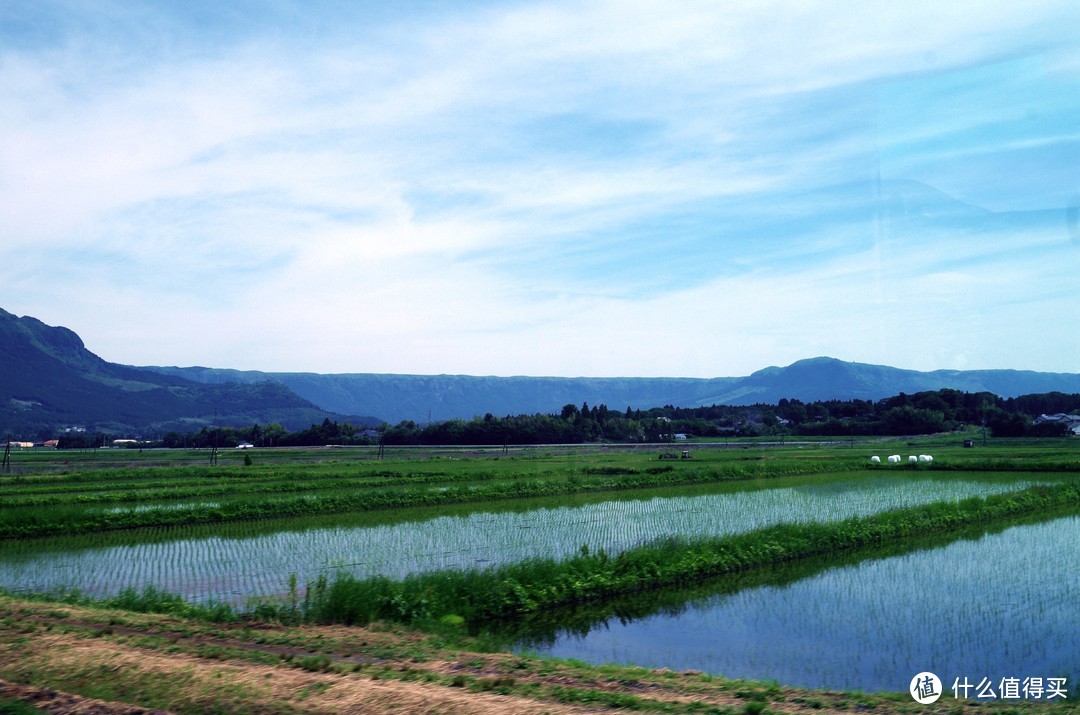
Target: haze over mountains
<point>438,397</point>
<point>49,380</point>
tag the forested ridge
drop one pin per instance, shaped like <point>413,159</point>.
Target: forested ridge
<point>920,413</point>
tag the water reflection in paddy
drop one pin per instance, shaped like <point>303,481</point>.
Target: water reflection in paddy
<point>1001,606</point>
<point>252,559</point>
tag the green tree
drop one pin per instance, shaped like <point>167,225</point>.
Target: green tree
<point>272,434</point>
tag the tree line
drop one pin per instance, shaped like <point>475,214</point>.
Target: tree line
<point>920,413</point>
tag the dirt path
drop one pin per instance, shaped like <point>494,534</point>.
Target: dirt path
<point>66,659</point>
<point>194,683</point>
<point>53,701</point>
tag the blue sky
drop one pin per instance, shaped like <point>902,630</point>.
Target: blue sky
<point>544,188</point>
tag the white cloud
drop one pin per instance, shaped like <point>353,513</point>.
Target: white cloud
<point>498,189</point>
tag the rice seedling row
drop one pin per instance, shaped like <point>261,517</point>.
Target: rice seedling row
<point>236,567</point>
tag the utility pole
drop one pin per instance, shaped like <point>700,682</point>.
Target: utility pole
<point>217,436</point>
<point>7,457</point>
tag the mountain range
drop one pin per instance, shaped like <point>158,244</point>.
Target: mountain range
<point>424,398</point>
<point>49,380</point>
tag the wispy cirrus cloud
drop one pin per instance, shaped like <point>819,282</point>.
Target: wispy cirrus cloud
<point>491,187</point>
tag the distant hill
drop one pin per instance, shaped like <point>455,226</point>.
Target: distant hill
<point>825,378</point>
<point>49,380</point>
<point>438,397</point>
<point>425,398</point>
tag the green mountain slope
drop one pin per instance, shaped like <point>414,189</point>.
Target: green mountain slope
<point>49,380</point>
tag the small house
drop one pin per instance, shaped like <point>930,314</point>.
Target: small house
<point>1071,422</point>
